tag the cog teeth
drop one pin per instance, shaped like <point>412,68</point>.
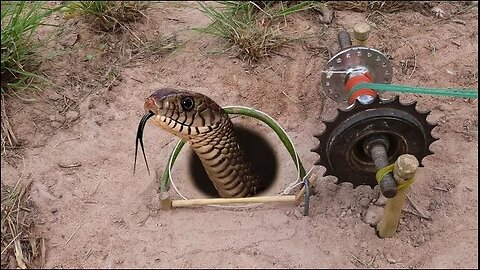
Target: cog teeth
<point>412,104</point>
<point>316,150</point>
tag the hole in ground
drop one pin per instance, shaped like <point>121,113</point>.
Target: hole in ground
<point>257,150</point>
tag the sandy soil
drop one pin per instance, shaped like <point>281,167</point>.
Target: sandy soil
<point>98,214</point>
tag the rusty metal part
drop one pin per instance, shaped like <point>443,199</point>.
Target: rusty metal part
<point>377,146</point>
<point>342,142</point>
<point>350,62</point>
<point>344,39</point>
<point>201,122</point>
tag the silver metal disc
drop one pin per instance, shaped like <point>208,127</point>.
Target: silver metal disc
<point>352,60</point>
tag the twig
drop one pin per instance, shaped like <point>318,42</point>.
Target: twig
<point>358,260</point>
<point>290,97</point>
<point>442,189</point>
<point>414,56</point>
<point>89,252</point>
<point>72,139</point>
<point>96,189</point>
<point>9,244</point>
<point>74,165</point>
<point>417,209</point>
<point>416,214</point>
<point>70,238</point>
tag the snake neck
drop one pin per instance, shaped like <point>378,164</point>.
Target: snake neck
<point>224,161</point>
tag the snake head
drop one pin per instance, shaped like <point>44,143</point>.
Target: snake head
<point>183,113</point>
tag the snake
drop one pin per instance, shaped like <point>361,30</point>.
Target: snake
<point>207,128</point>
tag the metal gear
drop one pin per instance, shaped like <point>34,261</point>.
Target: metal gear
<point>342,142</point>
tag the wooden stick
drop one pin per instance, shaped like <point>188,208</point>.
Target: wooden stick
<point>260,199</point>
<point>312,180</point>
<point>405,168</point>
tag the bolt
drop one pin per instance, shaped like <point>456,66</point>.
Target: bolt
<point>344,39</point>
<point>388,185</point>
<point>361,32</point>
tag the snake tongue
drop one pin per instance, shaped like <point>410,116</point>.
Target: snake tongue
<point>139,139</point>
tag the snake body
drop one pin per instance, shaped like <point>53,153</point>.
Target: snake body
<point>198,120</point>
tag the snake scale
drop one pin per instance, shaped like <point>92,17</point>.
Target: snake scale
<point>198,120</point>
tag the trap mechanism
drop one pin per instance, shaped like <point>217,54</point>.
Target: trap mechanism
<point>371,132</point>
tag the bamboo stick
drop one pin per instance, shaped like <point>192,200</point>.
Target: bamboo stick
<point>405,168</point>
<point>260,199</point>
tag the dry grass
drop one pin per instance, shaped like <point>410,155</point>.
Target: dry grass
<point>109,16</point>
<point>382,6</point>
<point>21,247</point>
<point>253,29</point>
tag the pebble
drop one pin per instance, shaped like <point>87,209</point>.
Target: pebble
<point>69,40</point>
<point>390,259</point>
<point>373,215</point>
<point>381,201</point>
<point>298,214</point>
<point>342,225</point>
<point>54,96</point>
<point>364,202</point>
<point>72,116</point>
<point>343,214</point>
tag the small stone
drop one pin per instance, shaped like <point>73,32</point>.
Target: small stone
<point>349,212</point>
<point>373,215</point>
<point>390,259</point>
<point>381,201</point>
<point>72,116</point>
<point>69,40</point>
<point>364,202</point>
<point>250,214</point>
<point>343,214</point>
<point>53,96</point>
<point>468,188</point>
<point>418,240</point>
<point>56,118</point>
<point>54,210</point>
<point>288,213</point>
<point>298,214</point>
<point>342,225</point>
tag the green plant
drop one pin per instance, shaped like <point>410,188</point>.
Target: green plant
<point>252,28</point>
<point>109,15</point>
<point>20,45</point>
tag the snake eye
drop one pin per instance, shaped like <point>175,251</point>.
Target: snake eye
<point>187,103</point>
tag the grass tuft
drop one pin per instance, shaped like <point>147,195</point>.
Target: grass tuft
<point>382,6</point>
<point>253,29</point>
<point>20,45</point>
<point>109,16</point>
<point>21,248</point>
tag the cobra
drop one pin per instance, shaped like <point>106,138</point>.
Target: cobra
<point>207,128</point>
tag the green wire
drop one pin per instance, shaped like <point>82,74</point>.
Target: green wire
<point>247,112</point>
<point>450,92</point>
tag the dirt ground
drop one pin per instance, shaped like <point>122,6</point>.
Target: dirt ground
<point>78,147</point>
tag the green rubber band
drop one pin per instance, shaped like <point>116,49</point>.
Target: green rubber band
<point>407,183</point>
<point>450,92</point>
<point>388,169</point>
<point>384,171</point>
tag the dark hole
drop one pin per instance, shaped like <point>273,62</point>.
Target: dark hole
<point>257,150</point>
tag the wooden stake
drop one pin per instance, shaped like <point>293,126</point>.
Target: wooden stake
<point>165,201</point>
<point>260,199</point>
<point>405,168</point>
